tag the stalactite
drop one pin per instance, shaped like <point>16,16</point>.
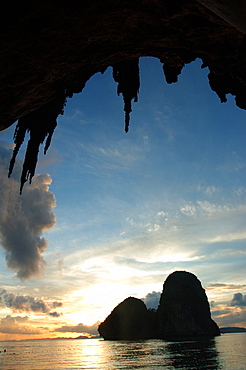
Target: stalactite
<point>171,72</point>
<point>219,85</point>
<point>127,75</point>
<point>41,125</point>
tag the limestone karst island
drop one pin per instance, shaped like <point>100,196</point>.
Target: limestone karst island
<point>183,312</point>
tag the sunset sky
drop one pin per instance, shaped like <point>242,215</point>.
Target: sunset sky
<point>111,215</point>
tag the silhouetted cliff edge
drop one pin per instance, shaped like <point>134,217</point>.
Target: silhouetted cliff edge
<point>183,312</point>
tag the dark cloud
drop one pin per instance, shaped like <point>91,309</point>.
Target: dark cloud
<point>56,304</point>
<point>54,314</point>
<point>80,328</point>
<point>23,219</point>
<point>152,300</point>
<point>238,300</point>
<point>212,304</point>
<point>14,325</point>
<point>26,303</point>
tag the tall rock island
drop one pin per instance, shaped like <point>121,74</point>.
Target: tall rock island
<point>183,312</point>
<point>184,309</point>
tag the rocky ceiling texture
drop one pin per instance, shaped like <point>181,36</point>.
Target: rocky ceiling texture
<point>50,49</point>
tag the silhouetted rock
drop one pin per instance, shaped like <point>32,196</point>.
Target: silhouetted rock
<point>184,309</point>
<point>129,320</point>
<point>183,312</point>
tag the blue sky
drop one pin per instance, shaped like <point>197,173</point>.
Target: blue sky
<point>132,208</point>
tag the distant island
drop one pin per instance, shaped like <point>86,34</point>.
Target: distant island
<point>86,337</point>
<point>183,312</point>
<point>232,329</point>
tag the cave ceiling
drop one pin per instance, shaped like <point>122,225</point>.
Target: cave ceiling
<point>50,49</point>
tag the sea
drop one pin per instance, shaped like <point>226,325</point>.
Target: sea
<point>227,351</point>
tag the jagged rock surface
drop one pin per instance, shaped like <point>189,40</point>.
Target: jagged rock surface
<point>129,320</point>
<point>184,309</point>
<point>50,49</point>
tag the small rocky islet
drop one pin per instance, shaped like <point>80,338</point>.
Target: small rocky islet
<point>183,312</point>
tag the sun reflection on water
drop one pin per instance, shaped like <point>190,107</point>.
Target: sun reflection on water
<point>224,352</point>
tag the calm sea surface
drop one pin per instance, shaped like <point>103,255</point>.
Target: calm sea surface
<point>225,352</point>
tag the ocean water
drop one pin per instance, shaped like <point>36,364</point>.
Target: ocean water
<point>225,352</point>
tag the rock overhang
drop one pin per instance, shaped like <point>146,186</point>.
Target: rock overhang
<point>51,49</point>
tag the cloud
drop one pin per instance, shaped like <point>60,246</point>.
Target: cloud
<point>103,156</point>
<point>224,287</point>
<point>238,300</point>
<point>228,237</point>
<point>6,145</point>
<point>152,300</point>
<point>232,314</point>
<point>23,219</point>
<point>55,314</point>
<point>14,325</point>
<point>233,163</point>
<point>26,303</point>
<point>188,210</point>
<point>209,208</point>
<point>53,156</point>
<point>56,304</point>
<point>240,191</point>
<point>208,190</point>
<point>80,328</point>
<point>237,318</point>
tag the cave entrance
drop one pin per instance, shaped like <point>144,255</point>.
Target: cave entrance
<point>168,195</point>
